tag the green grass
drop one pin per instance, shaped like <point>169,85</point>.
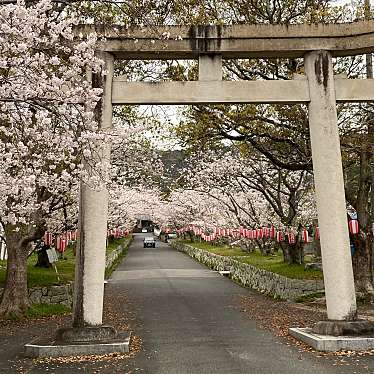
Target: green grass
<point>126,243</point>
<point>114,243</point>
<point>47,276</point>
<point>40,311</point>
<point>46,310</point>
<point>273,263</point>
<point>310,297</point>
<point>219,250</point>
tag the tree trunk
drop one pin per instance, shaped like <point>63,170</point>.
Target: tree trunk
<point>362,264</point>
<point>292,253</point>
<point>14,301</point>
<point>264,247</point>
<point>362,259</point>
<point>191,236</point>
<point>43,260</point>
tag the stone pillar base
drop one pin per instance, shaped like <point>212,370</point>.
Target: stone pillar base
<point>86,334</point>
<point>343,328</point>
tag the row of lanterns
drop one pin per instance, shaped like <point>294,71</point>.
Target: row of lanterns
<point>117,233</point>
<point>63,240</point>
<point>262,233</point>
<point>60,241</point>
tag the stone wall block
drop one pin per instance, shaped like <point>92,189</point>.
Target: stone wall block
<point>258,279</point>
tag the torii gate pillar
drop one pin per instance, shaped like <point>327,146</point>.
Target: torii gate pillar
<point>93,215</point>
<point>329,186</point>
<point>91,246</point>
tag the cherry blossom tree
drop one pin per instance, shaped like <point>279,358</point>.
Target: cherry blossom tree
<point>255,193</point>
<point>46,127</point>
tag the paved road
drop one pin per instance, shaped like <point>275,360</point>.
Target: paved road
<point>190,320</point>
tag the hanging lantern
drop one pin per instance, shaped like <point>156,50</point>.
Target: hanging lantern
<point>291,238</point>
<point>272,232</point>
<point>47,238</point>
<point>265,232</point>
<point>279,236</point>
<point>63,245</point>
<point>316,234</point>
<point>58,243</point>
<point>259,233</point>
<point>305,235</point>
<point>353,226</point>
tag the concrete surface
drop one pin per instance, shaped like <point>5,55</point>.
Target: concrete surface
<point>329,188</point>
<point>329,343</point>
<point>225,92</point>
<point>42,349</point>
<point>93,218</point>
<point>193,324</point>
<point>233,41</point>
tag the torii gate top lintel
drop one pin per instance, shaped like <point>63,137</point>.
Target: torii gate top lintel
<point>234,41</point>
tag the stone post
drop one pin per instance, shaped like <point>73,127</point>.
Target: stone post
<point>210,67</point>
<point>329,187</point>
<point>91,248</point>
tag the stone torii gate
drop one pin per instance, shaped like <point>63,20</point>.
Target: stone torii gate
<point>319,89</point>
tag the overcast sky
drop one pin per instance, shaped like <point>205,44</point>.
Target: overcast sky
<point>349,1</point>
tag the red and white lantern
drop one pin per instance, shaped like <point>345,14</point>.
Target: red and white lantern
<point>305,236</point>
<point>48,238</point>
<point>279,236</point>
<point>58,243</point>
<point>316,235</point>
<point>353,226</point>
<point>63,245</point>
<point>272,232</point>
<point>265,232</point>
<point>291,238</point>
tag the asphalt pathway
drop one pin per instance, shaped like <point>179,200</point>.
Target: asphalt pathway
<point>190,320</point>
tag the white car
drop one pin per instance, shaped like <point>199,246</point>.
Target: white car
<point>149,242</point>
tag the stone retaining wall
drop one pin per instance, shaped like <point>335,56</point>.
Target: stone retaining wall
<point>64,294</point>
<point>250,276</point>
<point>112,257</point>
<point>52,294</point>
